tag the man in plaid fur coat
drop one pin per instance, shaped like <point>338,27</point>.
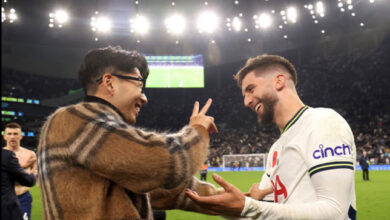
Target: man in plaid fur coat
<point>94,164</point>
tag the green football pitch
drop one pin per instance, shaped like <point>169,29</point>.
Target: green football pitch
<point>373,197</point>
<point>175,77</point>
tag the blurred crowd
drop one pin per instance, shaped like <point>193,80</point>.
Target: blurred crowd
<point>356,85</point>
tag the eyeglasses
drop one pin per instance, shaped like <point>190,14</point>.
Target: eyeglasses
<point>140,79</point>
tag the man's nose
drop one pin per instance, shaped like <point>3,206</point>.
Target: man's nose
<point>248,101</point>
<point>144,99</point>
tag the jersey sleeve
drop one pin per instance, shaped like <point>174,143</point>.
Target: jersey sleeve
<point>330,144</point>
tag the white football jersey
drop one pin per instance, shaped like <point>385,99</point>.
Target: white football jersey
<point>311,169</point>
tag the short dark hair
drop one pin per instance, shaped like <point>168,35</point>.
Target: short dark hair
<point>13,125</point>
<point>98,60</point>
<point>265,61</point>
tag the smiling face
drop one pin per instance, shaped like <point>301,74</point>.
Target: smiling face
<point>128,96</point>
<point>260,96</point>
<point>13,136</point>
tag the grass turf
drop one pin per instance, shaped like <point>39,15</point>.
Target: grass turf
<point>372,196</point>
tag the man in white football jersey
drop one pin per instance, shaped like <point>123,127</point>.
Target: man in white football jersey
<point>310,168</point>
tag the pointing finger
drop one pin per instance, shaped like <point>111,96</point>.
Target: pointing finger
<point>202,200</point>
<point>195,110</point>
<point>222,182</point>
<point>206,107</point>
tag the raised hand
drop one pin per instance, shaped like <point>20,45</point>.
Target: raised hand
<point>200,117</point>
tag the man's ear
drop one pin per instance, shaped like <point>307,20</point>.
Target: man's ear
<point>280,81</point>
<point>108,83</point>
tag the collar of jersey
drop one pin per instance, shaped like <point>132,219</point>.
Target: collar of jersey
<point>295,118</point>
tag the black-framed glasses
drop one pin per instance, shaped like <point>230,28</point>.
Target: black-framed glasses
<point>140,79</point>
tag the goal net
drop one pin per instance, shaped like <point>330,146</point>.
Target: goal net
<point>244,160</point>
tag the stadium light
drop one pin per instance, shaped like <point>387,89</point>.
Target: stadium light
<point>292,14</point>
<point>372,1</point>
<point>320,8</point>
<point>207,22</point>
<point>100,24</point>
<point>3,15</point>
<point>12,16</point>
<point>175,24</point>
<point>59,18</point>
<point>264,20</point>
<point>236,24</point>
<point>139,25</point>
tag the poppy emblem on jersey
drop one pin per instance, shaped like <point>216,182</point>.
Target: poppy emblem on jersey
<point>323,152</point>
<point>275,158</point>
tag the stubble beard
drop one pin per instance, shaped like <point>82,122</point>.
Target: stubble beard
<point>268,102</point>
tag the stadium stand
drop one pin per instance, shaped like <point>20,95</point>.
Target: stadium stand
<point>353,84</point>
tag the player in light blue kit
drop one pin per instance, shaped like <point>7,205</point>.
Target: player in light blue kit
<point>310,168</point>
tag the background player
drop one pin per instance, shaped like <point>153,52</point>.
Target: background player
<point>27,160</point>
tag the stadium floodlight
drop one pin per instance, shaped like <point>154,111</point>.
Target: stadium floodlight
<point>310,7</point>
<point>175,24</point>
<point>12,16</point>
<point>140,24</point>
<point>101,24</point>
<point>61,16</point>
<point>264,20</point>
<point>372,1</point>
<point>236,24</point>
<point>320,8</point>
<point>285,36</point>
<point>3,15</point>
<point>207,22</point>
<point>350,7</point>
<point>340,4</point>
<point>292,14</point>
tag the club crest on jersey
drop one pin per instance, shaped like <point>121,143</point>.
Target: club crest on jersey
<point>323,152</point>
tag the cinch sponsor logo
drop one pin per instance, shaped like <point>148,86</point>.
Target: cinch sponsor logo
<point>329,151</point>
